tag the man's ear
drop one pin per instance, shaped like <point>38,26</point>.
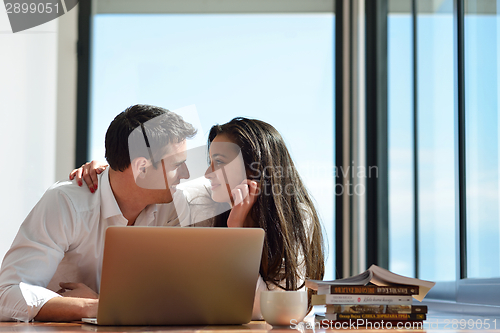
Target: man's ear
<point>139,167</point>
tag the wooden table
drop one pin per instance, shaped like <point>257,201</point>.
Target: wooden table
<point>435,323</point>
<point>252,327</point>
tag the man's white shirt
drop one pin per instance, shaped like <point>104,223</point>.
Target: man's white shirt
<point>62,240</point>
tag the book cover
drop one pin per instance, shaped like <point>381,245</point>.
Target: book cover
<point>373,316</point>
<point>377,276</point>
<point>372,308</point>
<point>372,290</point>
<point>360,299</point>
<point>369,323</point>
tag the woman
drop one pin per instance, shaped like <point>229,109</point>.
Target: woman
<point>271,197</point>
<point>251,168</point>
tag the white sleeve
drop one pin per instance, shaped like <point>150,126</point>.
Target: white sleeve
<point>202,208</point>
<point>34,256</point>
<point>261,286</point>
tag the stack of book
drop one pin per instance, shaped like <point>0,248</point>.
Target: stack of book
<point>375,295</point>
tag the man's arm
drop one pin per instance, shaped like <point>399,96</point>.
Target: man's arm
<point>78,301</point>
<point>68,309</point>
<point>36,252</point>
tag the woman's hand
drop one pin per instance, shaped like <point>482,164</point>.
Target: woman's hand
<point>244,196</point>
<point>88,172</point>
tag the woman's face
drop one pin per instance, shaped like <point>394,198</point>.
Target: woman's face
<point>227,169</point>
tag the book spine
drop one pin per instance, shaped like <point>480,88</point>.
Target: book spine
<point>419,309</point>
<point>360,299</point>
<point>369,324</point>
<point>368,290</point>
<point>365,308</point>
<point>375,316</point>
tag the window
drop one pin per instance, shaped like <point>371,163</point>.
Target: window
<point>274,66</point>
<point>401,140</point>
<point>444,146</point>
<point>482,74</point>
<point>421,134</point>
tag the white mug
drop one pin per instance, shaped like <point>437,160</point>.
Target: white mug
<point>283,308</point>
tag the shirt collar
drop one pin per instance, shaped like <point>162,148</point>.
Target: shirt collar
<point>147,216</point>
<point>109,206</point>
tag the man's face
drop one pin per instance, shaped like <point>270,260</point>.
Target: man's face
<point>165,174</point>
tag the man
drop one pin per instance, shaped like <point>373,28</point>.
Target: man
<point>59,246</point>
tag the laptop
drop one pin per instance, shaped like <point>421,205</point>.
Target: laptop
<point>178,276</point>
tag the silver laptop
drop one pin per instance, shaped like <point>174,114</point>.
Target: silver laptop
<point>178,276</point>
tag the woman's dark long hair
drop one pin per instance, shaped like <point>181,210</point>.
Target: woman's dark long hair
<point>283,209</point>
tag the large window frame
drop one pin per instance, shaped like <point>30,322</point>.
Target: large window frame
<point>89,9</point>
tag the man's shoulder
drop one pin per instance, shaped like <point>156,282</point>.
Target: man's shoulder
<point>198,195</point>
<point>195,190</point>
<point>80,197</point>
